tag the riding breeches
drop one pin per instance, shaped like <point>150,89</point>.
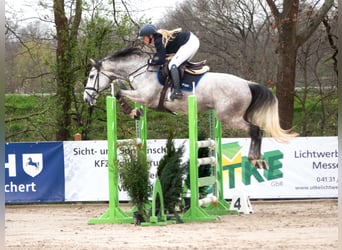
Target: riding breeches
<point>186,51</point>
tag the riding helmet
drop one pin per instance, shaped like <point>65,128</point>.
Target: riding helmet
<point>147,29</point>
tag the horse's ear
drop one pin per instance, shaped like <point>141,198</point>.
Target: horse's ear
<point>95,63</point>
<point>92,61</point>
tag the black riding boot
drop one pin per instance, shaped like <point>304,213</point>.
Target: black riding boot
<point>177,93</point>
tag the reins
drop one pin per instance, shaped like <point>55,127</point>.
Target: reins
<point>131,76</point>
<point>137,72</point>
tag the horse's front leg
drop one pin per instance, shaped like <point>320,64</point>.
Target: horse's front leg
<point>254,154</point>
<point>128,110</point>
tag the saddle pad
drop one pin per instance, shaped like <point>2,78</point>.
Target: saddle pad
<point>187,81</point>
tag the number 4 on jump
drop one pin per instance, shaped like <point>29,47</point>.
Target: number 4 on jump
<point>242,204</point>
<point>237,204</point>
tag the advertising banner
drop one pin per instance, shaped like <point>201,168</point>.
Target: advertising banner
<point>34,172</point>
<point>306,167</point>
<point>86,168</point>
<point>86,171</point>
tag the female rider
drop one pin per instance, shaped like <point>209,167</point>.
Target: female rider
<point>183,44</point>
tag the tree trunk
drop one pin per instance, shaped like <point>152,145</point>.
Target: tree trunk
<point>286,87</point>
<point>66,41</point>
<point>287,64</point>
<point>291,37</point>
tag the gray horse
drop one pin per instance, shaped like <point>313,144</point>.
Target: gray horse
<point>239,104</point>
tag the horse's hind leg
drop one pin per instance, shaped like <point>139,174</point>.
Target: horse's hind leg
<point>254,154</point>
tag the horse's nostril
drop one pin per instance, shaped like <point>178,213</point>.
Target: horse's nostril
<point>87,101</point>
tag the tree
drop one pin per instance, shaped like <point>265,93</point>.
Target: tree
<point>235,36</point>
<point>31,69</point>
<point>76,43</point>
<point>98,37</point>
<point>170,173</point>
<point>291,35</point>
<point>28,58</point>
<point>134,171</point>
<point>66,35</point>
<point>316,80</point>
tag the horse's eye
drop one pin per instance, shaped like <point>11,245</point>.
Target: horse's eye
<point>91,77</point>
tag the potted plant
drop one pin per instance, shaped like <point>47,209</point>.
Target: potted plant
<point>134,173</point>
<point>171,173</point>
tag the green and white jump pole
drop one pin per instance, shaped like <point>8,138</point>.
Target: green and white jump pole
<point>221,207</point>
<point>216,204</point>
<point>114,214</point>
<point>195,212</point>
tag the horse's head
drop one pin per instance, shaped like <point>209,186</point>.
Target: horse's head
<point>123,65</point>
<point>98,80</point>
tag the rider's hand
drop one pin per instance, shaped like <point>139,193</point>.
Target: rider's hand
<point>149,61</point>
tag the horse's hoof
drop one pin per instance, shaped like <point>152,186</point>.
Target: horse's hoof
<point>254,162</point>
<point>261,164</point>
<point>136,116</point>
<point>136,113</point>
<point>140,112</point>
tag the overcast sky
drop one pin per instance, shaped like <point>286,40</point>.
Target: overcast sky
<point>27,9</point>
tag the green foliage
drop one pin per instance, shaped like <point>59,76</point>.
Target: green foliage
<point>134,171</point>
<point>316,113</point>
<point>29,118</point>
<point>95,41</point>
<point>170,173</point>
<point>98,38</point>
<point>31,70</point>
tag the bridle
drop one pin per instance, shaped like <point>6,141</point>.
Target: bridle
<point>96,87</point>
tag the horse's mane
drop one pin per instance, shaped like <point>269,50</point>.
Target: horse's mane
<point>126,52</point>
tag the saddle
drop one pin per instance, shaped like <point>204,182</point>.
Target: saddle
<point>194,68</point>
<point>190,68</point>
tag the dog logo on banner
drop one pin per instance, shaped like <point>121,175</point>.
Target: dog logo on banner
<point>33,164</point>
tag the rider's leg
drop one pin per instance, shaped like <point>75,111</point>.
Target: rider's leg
<point>185,52</point>
<point>177,93</point>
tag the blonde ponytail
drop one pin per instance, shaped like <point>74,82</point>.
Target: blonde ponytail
<point>168,35</point>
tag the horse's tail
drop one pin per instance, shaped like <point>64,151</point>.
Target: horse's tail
<point>263,112</point>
